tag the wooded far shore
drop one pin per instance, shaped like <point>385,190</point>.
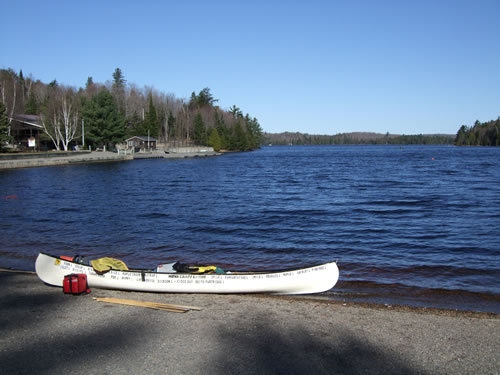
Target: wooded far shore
<point>356,138</point>
<point>480,134</point>
<point>35,116</point>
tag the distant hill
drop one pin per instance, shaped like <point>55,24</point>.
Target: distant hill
<point>289,138</point>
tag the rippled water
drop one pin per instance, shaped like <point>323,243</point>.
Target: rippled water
<point>413,225</point>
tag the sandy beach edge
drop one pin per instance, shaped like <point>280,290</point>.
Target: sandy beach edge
<point>234,334</point>
<point>332,301</point>
<point>339,302</point>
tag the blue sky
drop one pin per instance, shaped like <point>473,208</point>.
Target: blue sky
<point>318,67</point>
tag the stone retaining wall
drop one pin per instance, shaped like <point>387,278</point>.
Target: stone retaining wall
<point>190,149</point>
<point>71,158</point>
<point>41,155</point>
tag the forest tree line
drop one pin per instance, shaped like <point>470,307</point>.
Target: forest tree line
<point>356,138</point>
<point>481,134</point>
<point>116,110</point>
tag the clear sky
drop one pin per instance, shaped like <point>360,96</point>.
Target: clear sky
<point>318,67</point>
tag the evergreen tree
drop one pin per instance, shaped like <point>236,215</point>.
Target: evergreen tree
<point>254,132</point>
<point>171,121</point>
<point>225,137</point>
<point>199,132</point>
<point>214,140</point>
<point>104,123</point>
<point>193,102</point>
<point>32,107</point>
<point>239,140</point>
<point>162,124</point>
<point>118,79</point>
<point>22,87</point>
<point>89,84</point>
<point>222,131</point>
<point>151,123</point>
<point>118,89</point>
<point>135,126</point>
<point>236,112</point>
<point>205,98</point>
<point>461,135</point>
<point>497,132</point>
<point>4,127</point>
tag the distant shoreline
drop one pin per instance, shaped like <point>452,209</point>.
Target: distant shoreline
<point>357,138</point>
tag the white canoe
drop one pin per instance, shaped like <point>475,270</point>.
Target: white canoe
<point>315,279</point>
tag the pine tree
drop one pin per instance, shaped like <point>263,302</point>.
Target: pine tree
<point>118,89</point>
<point>151,120</point>
<point>22,86</point>
<point>239,140</point>
<point>104,123</point>
<point>206,98</point>
<point>214,140</point>
<point>172,131</point>
<point>222,131</point>
<point>135,126</point>
<point>118,79</point>
<point>254,132</point>
<point>90,82</point>
<point>32,107</point>
<point>199,132</point>
<point>193,102</point>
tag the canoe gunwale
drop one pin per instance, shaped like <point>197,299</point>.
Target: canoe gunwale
<point>228,272</point>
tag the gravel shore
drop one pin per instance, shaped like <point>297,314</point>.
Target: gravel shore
<point>47,332</point>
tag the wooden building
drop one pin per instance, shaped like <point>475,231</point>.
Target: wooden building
<point>139,143</point>
<point>25,131</point>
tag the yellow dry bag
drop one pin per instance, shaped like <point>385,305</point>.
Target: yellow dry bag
<point>103,265</point>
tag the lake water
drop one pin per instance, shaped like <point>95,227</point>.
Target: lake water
<point>415,225</point>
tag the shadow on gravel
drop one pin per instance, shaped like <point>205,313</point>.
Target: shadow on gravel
<point>15,298</point>
<point>266,350</point>
<point>46,332</point>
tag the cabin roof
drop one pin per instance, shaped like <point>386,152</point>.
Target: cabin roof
<point>32,120</point>
<point>142,138</point>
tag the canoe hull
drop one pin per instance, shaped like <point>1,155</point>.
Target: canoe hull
<point>316,279</point>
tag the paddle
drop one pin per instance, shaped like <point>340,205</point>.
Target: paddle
<point>150,305</point>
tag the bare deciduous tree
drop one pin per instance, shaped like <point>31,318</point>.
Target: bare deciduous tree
<point>69,121</point>
<point>49,127</point>
<point>8,86</point>
<point>60,122</point>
